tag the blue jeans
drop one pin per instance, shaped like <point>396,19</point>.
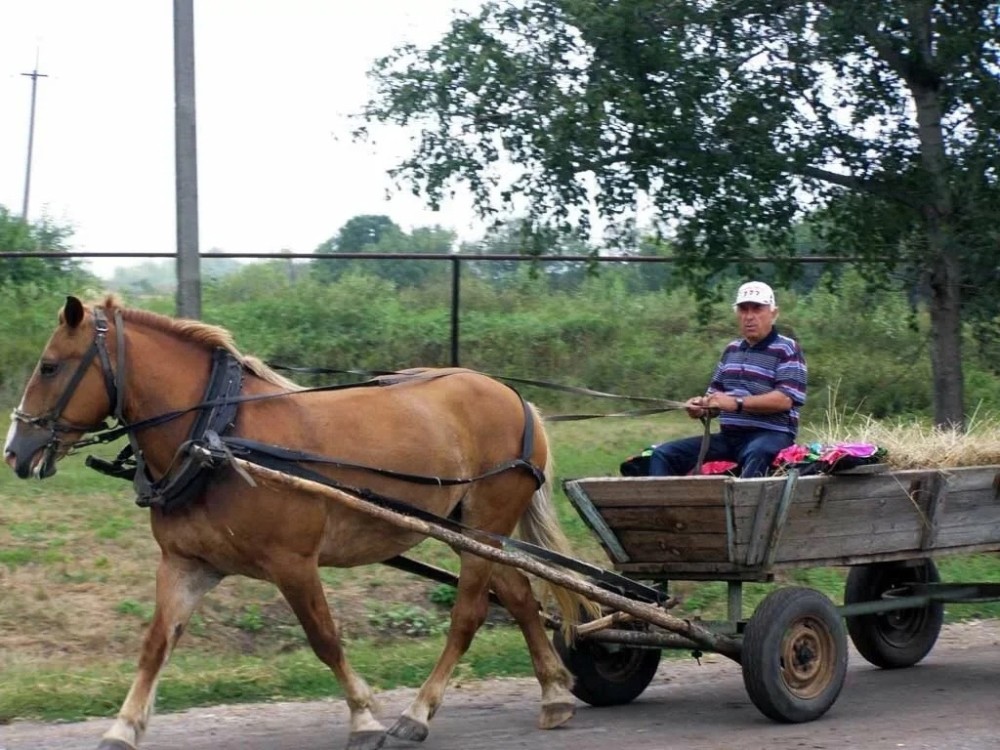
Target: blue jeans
<point>753,450</point>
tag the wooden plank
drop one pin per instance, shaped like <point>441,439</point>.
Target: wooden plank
<point>692,571</point>
<point>967,534</point>
<point>730,527</point>
<point>938,496</point>
<point>905,554</point>
<point>811,548</point>
<point>777,527</point>
<point>864,490</point>
<point>753,534</point>
<point>983,479</point>
<point>658,546</point>
<point>612,545</point>
<point>665,491</point>
<point>675,518</point>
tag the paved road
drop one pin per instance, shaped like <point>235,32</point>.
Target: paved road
<point>951,700</point>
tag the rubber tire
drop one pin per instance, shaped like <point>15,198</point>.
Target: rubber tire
<point>899,639</point>
<point>810,620</point>
<point>608,674</point>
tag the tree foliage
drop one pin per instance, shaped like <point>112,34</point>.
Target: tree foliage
<point>604,334</point>
<point>18,236</point>
<point>379,234</point>
<point>734,122</point>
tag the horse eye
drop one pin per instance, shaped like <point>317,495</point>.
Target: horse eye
<point>48,369</point>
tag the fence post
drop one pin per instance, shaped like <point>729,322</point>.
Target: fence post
<point>456,275</point>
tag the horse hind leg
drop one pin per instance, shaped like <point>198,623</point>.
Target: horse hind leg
<point>514,591</point>
<point>467,615</point>
<point>301,586</point>
<point>180,586</point>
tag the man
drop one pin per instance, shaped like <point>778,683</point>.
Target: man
<point>757,389</point>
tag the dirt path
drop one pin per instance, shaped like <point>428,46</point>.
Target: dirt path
<point>951,700</point>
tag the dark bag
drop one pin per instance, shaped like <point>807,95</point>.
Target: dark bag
<point>637,465</point>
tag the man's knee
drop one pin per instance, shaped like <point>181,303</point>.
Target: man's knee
<point>668,459</point>
<point>756,465</point>
<point>759,454</point>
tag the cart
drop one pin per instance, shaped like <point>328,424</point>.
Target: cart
<point>888,526</point>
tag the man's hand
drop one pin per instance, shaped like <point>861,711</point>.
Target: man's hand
<point>700,406</point>
<point>694,406</point>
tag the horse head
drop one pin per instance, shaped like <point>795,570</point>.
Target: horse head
<point>71,391</point>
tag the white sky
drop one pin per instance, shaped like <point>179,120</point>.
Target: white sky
<point>275,81</point>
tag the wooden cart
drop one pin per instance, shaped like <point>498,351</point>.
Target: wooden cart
<point>887,525</point>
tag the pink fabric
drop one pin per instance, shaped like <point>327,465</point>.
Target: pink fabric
<point>717,467</point>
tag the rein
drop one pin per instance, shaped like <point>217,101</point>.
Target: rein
<point>664,404</point>
<point>185,477</point>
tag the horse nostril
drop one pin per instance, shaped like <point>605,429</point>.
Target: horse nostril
<point>10,458</point>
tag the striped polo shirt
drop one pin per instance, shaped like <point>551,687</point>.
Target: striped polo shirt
<point>773,363</point>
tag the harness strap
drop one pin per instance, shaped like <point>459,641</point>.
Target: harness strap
<point>253,450</point>
<point>706,419</point>
<point>605,579</point>
<point>186,476</point>
<point>120,372</point>
<point>528,443</point>
<point>96,347</point>
<point>217,412</point>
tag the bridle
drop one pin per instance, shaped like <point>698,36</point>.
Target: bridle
<point>114,384</point>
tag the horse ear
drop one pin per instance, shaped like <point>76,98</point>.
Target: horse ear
<point>73,312</point>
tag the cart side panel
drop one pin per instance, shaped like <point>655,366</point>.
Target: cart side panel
<point>840,516</point>
<point>681,519</point>
<point>968,508</point>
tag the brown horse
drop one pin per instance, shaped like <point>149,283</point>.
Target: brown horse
<point>107,360</point>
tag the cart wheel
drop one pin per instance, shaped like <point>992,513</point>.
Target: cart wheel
<point>794,655</point>
<point>608,674</point>
<point>894,639</point>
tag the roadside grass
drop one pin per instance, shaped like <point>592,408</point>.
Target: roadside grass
<point>77,564</point>
<point>48,692</point>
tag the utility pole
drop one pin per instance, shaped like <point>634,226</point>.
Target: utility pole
<point>34,76</point>
<point>186,163</point>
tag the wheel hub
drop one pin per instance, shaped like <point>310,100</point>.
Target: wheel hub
<point>807,658</point>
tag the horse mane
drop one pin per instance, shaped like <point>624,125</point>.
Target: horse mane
<point>203,334</point>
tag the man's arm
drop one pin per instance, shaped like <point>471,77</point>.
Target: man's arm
<point>771,402</point>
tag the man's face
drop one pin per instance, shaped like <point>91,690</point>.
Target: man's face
<point>756,321</point>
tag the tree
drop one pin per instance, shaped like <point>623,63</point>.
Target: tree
<point>735,121</point>
<point>516,238</point>
<point>379,234</point>
<point>18,236</point>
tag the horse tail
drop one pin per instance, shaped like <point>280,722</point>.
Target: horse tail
<point>540,526</point>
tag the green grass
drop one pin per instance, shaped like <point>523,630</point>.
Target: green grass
<point>54,693</point>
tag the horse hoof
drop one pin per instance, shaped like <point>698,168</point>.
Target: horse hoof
<point>115,745</point>
<point>555,715</point>
<point>406,728</point>
<point>366,740</point>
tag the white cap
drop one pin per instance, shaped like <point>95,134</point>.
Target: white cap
<point>757,292</point>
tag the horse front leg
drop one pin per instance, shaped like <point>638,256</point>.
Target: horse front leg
<point>467,615</point>
<point>301,586</point>
<point>180,586</point>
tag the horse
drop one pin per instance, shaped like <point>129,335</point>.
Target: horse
<point>151,372</point>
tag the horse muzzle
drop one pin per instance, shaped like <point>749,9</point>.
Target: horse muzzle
<point>31,451</point>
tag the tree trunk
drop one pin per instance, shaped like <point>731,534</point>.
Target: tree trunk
<point>939,216</point>
<point>946,340</point>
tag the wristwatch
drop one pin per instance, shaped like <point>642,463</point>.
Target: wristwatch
<point>739,405</point>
